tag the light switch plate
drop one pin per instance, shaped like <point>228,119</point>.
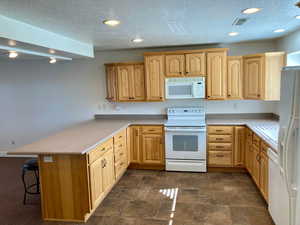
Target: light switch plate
<point>48,159</point>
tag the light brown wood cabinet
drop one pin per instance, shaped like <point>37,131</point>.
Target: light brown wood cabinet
<point>257,162</point>
<point>235,77</point>
<point>189,64</point>
<point>96,182</point>
<point>155,83</point>
<point>175,66</point>
<point>195,64</point>
<point>111,83</point>
<point>217,75</point>
<point>125,82</point>
<point>220,146</point>
<point>239,146</point>
<point>262,75</point>
<point>147,147</point>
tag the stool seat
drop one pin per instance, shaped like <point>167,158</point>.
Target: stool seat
<point>31,164</point>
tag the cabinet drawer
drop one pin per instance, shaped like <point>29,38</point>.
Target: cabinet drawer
<point>100,150</point>
<point>120,167</point>
<point>152,129</point>
<point>120,155</point>
<point>219,138</point>
<point>120,146</point>
<point>120,137</point>
<point>220,158</point>
<point>255,140</point>
<point>264,147</point>
<point>220,146</point>
<point>220,129</point>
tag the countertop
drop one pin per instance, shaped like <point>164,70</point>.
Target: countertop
<point>82,138</point>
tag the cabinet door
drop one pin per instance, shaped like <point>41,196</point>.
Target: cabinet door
<point>264,175</point>
<point>154,66</point>
<point>174,65</point>
<point>152,149</point>
<point>135,145</point>
<point>249,157</point>
<point>216,75</point>
<point>235,77</point>
<point>253,71</point>
<point>108,172</point>
<point>137,83</point>
<point>124,74</point>
<point>111,84</point>
<point>96,182</point>
<point>195,64</point>
<point>239,146</point>
<point>256,165</point>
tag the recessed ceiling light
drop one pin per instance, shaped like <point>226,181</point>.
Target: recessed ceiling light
<point>12,43</point>
<point>297,17</point>
<point>251,10</point>
<point>112,23</point>
<point>137,40</point>
<point>13,54</point>
<point>233,34</point>
<point>52,51</point>
<point>279,30</point>
<point>52,60</point>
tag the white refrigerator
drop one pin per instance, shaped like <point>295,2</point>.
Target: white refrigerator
<point>284,166</point>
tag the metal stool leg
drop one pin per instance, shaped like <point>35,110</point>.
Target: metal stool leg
<point>25,188</point>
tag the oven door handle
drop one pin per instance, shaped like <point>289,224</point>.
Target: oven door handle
<point>185,129</point>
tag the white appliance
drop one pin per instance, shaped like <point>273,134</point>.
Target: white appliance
<point>284,168</point>
<point>185,139</point>
<point>185,88</point>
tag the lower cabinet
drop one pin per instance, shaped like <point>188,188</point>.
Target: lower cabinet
<point>147,147</point>
<point>257,162</point>
<point>96,182</point>
<point>239,146</point>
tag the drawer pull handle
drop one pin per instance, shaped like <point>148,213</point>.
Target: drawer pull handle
<point>121,164</point>
<point>219,146</point>
<point>219,130</point>
<point>220,156</point>
<point>103,149</point>
<point>120,136</point>
<point>151,130</point>
<point>219,139</point>
<point>120,145</point>
<point>121,154</point>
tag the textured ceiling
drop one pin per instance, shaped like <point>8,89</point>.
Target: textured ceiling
<point>159,22</point>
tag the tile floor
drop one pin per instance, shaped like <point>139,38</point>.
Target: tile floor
<point>149,198</point>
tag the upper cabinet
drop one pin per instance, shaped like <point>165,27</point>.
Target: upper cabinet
<point>254,77</point>
<point>125,82</point>
<point>234,77</point>
<point>154,66</point>
<point>175,65</point>
<point>195,64</point>
<point>189,64</point>
<point>216,75</point>
<point>262,73</point>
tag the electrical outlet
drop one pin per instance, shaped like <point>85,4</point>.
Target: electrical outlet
<point>12,142</point>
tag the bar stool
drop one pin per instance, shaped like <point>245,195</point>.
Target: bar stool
<point>31,165</point>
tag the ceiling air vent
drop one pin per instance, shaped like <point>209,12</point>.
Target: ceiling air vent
<point>239,21</point>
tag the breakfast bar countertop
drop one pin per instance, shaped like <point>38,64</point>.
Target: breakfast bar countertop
<point>83,137</point>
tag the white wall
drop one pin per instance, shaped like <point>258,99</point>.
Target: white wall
<point>38,98</point>
<point>289,43</point>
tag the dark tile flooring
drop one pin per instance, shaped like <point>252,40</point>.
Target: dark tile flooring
<point>151,198</point>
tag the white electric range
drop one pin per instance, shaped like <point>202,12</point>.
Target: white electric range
<point>185,139</point>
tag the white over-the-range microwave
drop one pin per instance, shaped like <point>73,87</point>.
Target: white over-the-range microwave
<point>185,88</point>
